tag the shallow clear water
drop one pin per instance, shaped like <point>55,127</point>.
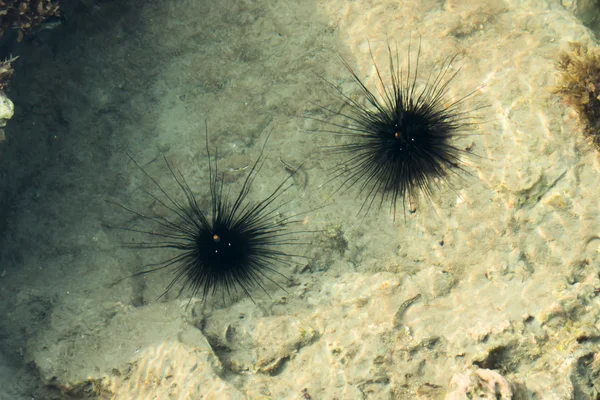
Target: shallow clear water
<point>504,257</point>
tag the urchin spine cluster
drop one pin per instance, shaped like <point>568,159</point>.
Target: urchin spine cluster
<point>231,248</point>
<point>401,142</point>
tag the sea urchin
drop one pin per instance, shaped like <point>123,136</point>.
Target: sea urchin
<point>235,245</point>
<point>401,142</point>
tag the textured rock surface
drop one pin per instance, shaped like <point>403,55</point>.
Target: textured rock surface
<point>7,110</point>
<point>505,263</point>
<point>481,384</point>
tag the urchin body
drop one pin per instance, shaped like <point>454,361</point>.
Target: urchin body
<point>402,140</point>
<point>232,247</point>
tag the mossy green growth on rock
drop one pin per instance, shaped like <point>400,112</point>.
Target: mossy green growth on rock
<point>579,85</point>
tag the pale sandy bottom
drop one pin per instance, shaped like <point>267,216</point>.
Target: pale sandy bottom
<point>509,304</point>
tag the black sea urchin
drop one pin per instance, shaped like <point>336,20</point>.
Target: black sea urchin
<point>232,246</point>
<point>400,142</point>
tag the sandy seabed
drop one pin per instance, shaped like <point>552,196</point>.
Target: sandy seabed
<point>506,264</point>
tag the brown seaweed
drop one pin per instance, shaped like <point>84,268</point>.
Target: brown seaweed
<point>578,84</point>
